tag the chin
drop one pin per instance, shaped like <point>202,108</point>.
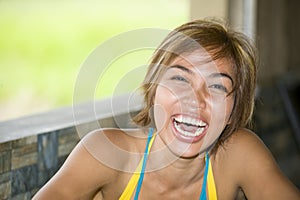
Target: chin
<point>182,148</point>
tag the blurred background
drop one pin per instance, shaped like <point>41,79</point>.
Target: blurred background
<point>44,43</point>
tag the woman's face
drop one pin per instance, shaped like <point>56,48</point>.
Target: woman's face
<point>192,105</point>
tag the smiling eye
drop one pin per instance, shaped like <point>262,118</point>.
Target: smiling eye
<point>219,87</point>
<point>179,78</point>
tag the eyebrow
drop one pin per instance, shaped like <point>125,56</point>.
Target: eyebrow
<point>182,68</point>
<point>213,75</point>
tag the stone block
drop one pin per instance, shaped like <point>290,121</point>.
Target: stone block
<point>47,156</point>
<point>24,142</point>
<point>47,151</point>
<point>65,149</point>
<point>24,152</point>
<point>45,175</point>
<point>5,161</point>
<point>5,185</point>
<point>67,140</point>
<point>5,146</point>
<point>24,179</point>
<point>24,156</point>
<point>67,135</point>
<point>23,196</point>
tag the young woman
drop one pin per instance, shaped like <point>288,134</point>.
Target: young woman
<point>193,141</point>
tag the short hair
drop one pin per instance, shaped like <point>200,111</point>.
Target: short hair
<point>221,42</point>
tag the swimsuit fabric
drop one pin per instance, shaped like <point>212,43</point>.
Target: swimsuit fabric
<point>134,185</point>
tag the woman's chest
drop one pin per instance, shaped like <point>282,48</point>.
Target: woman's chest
<point>155,187</point>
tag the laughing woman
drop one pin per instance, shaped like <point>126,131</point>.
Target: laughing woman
<point>194,140</point>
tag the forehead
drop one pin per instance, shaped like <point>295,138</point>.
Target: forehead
<point>201,62</point>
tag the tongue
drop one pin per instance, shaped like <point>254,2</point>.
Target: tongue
<point>188,128</point>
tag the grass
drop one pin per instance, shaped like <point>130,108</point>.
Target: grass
<point>43,45</point>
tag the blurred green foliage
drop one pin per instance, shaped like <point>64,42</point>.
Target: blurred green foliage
<point>44,43</point>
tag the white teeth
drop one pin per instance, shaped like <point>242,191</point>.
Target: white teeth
<point>197,133</point>
<point>192,121</point>
<point>189,120</point>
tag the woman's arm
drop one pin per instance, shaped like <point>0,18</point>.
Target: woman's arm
<point>81,177</point>
<point>259,175</point>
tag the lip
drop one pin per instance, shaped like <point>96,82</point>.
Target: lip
<point>185,138</point>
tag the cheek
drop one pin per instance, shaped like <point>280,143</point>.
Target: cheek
<point>165,96</point>
<point>163,106</point>
<point>160,116</point>
<point>221,111</point>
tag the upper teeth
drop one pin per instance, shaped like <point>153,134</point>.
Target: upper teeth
<point>189,120</point>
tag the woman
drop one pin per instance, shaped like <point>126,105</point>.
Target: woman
<point>199,99</point>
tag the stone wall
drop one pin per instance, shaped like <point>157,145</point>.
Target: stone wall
<point>33,148</point>
<point>27,163</point>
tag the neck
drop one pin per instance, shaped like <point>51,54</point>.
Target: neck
<point>172,170</point>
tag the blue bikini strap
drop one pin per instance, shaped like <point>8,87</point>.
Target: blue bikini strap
<point>138,188</point>
<point>203,191</point>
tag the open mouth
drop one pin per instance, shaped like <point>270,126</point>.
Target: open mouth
<point>188,126</point>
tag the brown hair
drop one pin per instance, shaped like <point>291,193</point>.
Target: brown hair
<point>221,42</point>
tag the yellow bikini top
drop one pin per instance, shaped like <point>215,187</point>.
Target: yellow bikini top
<point>135,182</point>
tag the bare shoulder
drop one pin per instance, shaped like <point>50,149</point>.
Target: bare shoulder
<point>253,167</point>
<point>244,150</point>
<point>128,140</point>
<point>95,163</point>
<point>240,147</point>
<point>245,142</point>
<point>116,148</point>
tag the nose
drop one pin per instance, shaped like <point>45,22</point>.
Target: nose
<point>196,98</point>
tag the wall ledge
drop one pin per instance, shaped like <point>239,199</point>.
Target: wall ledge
<point>68,116</point>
